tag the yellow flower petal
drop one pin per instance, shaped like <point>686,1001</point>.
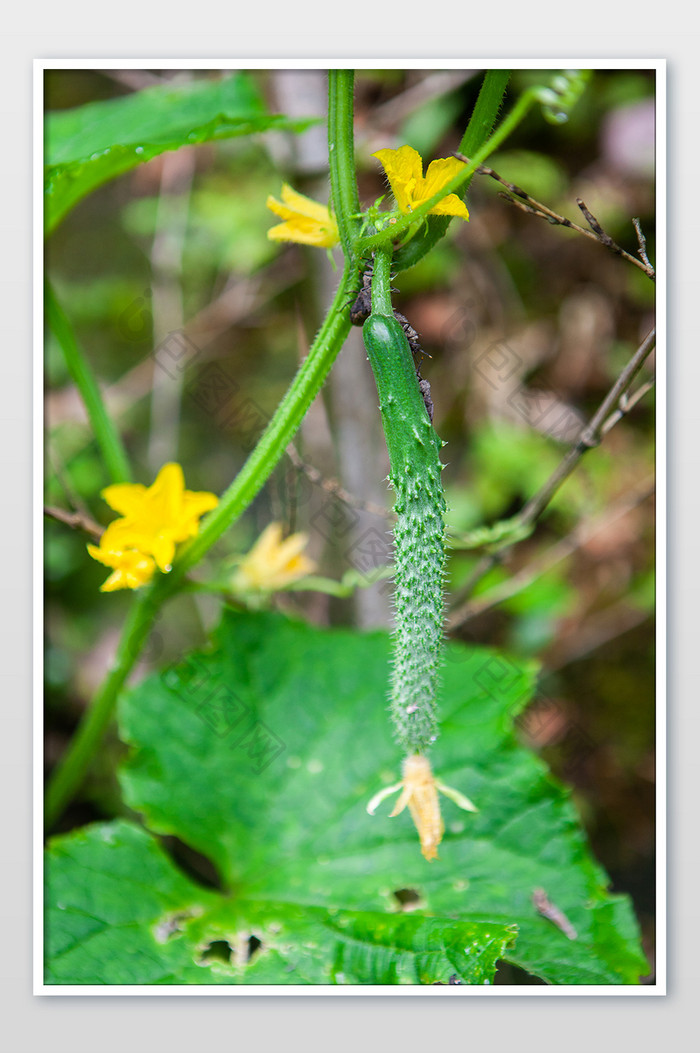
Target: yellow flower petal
<point>304,232</point>
<point>162,501</point>
<point>305,205</point>
<point>440,172</point>
<point>162,548</point>
<point>131,569</point>
<point>125,534</point>
<point>124,497</point>
<point>450,206</point>
<point>154,519</point>
<point>306,222</point>
<point>404,170</point>
<point>273,563</point>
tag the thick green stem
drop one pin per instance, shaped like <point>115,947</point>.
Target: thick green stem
<point>486,110</point>
<point>113,452</point>
<point>381,283</point>
<point>341,157</point>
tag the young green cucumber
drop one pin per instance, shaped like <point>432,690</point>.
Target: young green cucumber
<point>413,447</point>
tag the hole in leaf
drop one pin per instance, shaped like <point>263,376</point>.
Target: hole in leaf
<point>193,863</point>
<point>408,899</point>
<point>254,944</point>
<point>171,925</point>
<point>511,974</point>
<point>217,950</point>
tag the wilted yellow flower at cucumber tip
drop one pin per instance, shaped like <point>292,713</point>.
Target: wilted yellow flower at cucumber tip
<point>419,790</point>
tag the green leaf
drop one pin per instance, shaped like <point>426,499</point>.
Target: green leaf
<point>115,910</point>
<point>312,945</point>
<point>119,912</point>
<point>91,144</point>
<point>262,753</point>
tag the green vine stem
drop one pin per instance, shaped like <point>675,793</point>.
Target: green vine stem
<point>113,452</point>
<point>341,158</point>
<point>485,113</point>
<point>71,771</point>
<point>72,768</point>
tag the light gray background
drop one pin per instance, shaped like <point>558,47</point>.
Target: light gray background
<point>276,31</point>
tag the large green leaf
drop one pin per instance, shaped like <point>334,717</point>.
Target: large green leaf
<point>91,144</point>
<point>262,753</point>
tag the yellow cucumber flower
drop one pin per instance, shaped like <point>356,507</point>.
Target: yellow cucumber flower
<point>404,170</point>
<point>419,790</point>
<point>305,221</point>
<point>273,563</point>
<point>131,568</point>
<point>155,518</point>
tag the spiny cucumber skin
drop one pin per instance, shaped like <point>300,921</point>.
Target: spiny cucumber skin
<point>413,447</point>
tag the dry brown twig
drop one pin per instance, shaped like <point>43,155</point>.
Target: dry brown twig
<point>595,632</point>
<point>526,203</point>
<point>577,538</point>
<point>330,486</point>
<point>75,520</point>
<point>544,906</point>
<point>612,409</point>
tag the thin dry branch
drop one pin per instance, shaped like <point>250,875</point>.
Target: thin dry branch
<point>75,520</point>
<point>526,203</point>
<point>578,537</point>
<point>591,435</point>
<point>607,415</point>
<point>625,404</point>
<point>642,243</point>
<point>331,486</point>
<point>607,625</point>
